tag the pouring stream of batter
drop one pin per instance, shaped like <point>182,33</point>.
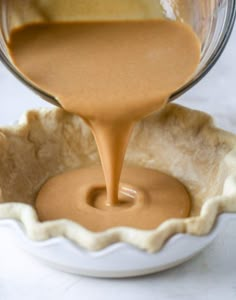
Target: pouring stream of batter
<point>111,74</point>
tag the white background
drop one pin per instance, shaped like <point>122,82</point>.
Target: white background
<point>209,276</point>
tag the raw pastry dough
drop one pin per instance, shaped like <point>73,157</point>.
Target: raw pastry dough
<point>178,141</point>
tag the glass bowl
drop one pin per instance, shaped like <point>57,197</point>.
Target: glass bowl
<point>212,20</point>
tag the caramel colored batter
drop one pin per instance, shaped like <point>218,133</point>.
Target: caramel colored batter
<point>145,207</point>
<point>111,74</point>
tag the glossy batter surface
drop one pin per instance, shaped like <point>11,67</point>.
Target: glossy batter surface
<point>111,74</point>
<point>156,198</point>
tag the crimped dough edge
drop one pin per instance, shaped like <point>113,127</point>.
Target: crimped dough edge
<point>177,140</point>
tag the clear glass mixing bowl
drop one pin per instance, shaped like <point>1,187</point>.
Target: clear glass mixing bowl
<point>212,20</point>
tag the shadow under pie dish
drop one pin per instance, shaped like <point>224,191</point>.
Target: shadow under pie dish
<point>178,141</point>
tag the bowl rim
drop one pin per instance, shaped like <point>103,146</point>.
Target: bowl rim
<point>215,55</point>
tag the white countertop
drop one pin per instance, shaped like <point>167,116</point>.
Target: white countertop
<point>209,276</point>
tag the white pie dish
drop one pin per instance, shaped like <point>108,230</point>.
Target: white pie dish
<point>177,141</point>
<point>117,260</point>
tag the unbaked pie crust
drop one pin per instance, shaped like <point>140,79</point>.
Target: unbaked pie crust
<point>178,141</point>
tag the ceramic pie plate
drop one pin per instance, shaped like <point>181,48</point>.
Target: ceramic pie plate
<point>119,260</point>
<point>177,141</point>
